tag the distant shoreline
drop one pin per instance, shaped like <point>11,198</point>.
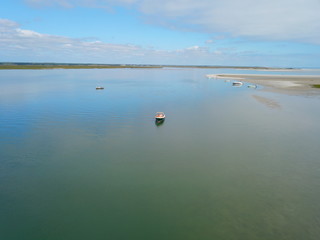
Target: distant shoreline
<point>28,66</point>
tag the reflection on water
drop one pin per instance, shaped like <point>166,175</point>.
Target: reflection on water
<point>76,163</point>
<point>266,101</point>
<point>159,122</point>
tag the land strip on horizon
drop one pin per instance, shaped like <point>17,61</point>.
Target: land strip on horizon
<point>26,65</point>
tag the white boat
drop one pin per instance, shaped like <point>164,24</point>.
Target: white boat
<point>252,86</point>
<point>237,84</point>
<point>160,116</point>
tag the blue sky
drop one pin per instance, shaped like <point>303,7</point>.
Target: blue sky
<point>273,33</point>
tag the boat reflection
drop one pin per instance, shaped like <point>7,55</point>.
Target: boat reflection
<point>159,122</point>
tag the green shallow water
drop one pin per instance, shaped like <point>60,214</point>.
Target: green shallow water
<point>77,163</point>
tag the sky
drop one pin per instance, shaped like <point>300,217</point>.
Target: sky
<point>267,33</point>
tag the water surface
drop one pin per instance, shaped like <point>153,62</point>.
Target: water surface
<point>227,163</point>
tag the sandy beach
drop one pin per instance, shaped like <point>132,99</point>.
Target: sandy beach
<point>296,84</point>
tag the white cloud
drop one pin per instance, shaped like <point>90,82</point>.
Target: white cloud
<point>7,25</point>
<point>297,20</point>
<point>27,33</point>
<point>194,48</point>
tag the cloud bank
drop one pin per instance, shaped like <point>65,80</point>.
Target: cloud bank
<point>23,45</point>
<point>22,42</point>
<point>289,20</point>
<point>28,45</point>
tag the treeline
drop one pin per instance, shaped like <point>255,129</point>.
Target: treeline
<point>22,65</point>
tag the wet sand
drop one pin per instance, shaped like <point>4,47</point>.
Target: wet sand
<point>277,83</point>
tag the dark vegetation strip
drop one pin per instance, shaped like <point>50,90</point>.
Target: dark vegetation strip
<point>91,66</point>
<point>55,66</point>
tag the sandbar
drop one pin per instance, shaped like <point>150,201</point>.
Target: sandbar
<point>308,84</point>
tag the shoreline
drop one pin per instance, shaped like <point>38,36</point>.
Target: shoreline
<point>279,83</point>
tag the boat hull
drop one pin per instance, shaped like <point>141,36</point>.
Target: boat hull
<point>160,118</point>
<point>159,122</point>
<point>237,84</point>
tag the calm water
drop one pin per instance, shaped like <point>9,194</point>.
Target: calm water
<point>227,163</point>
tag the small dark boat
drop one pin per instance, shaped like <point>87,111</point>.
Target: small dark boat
<point>99,88</point>
<point>160,116</point>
